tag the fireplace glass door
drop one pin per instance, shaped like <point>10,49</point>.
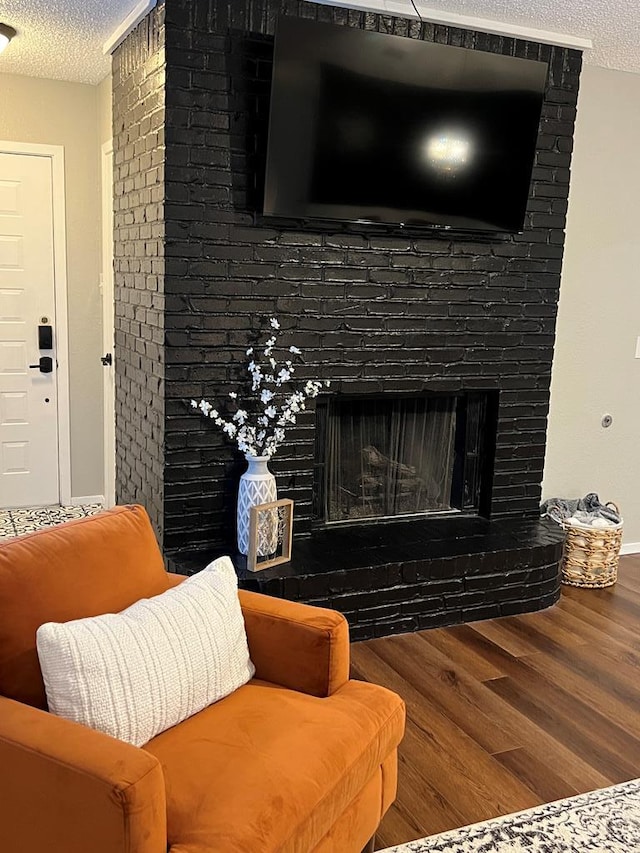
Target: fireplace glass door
<point>397,456</point>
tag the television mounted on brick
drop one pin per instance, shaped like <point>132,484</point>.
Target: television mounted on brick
<point>373,128</point>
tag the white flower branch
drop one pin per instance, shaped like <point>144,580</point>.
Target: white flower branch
<point>273,408</point>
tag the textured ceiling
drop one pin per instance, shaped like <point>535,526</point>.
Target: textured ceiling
<point>62,39</point>
<point>614,25</point>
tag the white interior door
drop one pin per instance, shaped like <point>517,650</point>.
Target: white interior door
<point>29,470</point>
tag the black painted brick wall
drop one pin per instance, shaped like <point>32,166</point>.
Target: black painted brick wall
<point>374,309</point>
<point>138,135</point>
<point>392,605</point>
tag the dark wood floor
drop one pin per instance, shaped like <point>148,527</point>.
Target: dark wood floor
<point>510,713</point>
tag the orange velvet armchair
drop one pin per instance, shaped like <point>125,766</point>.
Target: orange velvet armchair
<point>300,760</point>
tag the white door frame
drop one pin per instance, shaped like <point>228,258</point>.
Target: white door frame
<point>56,154</point>
<point>108,325</point>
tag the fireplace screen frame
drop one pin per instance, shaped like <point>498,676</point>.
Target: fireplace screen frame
<point>473,454</point>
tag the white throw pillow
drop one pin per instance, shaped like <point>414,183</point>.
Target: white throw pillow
<point>136,673</point>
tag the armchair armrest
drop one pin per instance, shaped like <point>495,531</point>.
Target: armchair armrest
<point>66,787</point>
<point>295,645</point>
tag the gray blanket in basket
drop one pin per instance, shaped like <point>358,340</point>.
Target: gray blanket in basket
<point>560,509</point>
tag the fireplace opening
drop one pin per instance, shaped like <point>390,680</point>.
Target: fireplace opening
<point>392,456</point>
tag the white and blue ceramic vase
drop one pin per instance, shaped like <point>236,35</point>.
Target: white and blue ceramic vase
<point>257,486</point>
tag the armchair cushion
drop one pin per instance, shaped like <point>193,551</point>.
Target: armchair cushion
<point>270,769</point>
<point>136,673</point>
<point>94,565</point>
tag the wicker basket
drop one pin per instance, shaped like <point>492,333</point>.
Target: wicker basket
<point>591,555</point>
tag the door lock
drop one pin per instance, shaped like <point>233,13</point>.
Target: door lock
<point>45,337</point>
<point>44,365</point>
<point>107,359</point>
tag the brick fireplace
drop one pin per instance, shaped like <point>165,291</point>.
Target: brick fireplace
<point>379,310</point>
<point>399,456</point>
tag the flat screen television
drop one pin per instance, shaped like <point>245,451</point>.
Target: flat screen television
<point>368,127</point>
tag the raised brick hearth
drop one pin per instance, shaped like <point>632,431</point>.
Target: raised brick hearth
<point>405,576</point>
<point>378,310</point>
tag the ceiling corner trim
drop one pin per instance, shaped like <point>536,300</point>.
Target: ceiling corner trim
<point>469,22</point>
<point>123,29</point>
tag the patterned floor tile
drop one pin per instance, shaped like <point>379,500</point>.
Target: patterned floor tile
<point>16,522</point>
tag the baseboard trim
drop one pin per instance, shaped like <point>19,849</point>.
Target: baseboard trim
<point>87,499</point>
<point>630,548</point>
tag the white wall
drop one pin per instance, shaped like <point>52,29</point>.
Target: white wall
<point>59,113</point>
<point>104,94</point>
<point>594,369</point>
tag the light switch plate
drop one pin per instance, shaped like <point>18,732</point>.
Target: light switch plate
<point>638,348</point>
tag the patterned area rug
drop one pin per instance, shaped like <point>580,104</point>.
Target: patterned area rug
<point>15,522</point>
<point>605,821</point>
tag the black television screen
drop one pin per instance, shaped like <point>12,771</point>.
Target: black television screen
<point>370,127</point>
